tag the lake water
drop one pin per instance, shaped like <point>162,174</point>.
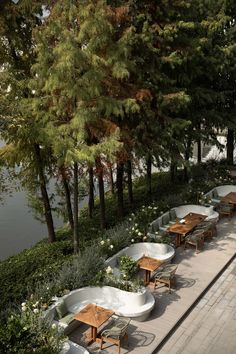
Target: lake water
<point>18,228</point>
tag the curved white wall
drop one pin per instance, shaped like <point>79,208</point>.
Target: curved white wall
<point>73,348</point>
<point>183,210</point>
<point>160,251</point>
<point>137,305</point>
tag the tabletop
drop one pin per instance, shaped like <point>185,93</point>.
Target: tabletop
<point>149,263</point>
<point>229,198</point>
<point>94,315</point>
<point>189,222</point>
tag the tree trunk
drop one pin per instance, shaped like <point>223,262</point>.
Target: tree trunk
<point>44,193</point>
<point>149,175</point>
<point>76,210</point>
<point>67,197</point>
<point>111,179</point>
<point>173,171</point>
<point>230,146</point>
<point>119,185</point>
<point>91,193</point>
<point>130,184</point>
<point>99,169</point>
<point>187,156</point>
<point>199,145</point>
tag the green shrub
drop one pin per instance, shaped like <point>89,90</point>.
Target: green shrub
<point>27,331</point>
<point>19,274</point>
<point>128,267</point>
<point>114,239</point>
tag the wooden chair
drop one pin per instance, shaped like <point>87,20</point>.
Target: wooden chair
<point>115,331</point>
<point>208,228</point>
<point>166,276</point>
<point>225,210</point>
<point>196,238</point>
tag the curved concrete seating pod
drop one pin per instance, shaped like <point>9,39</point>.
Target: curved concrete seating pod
<point>73,348</point>
<point>136,305</point>
<point>218,192</point>
<point>183,210</point>
<point>160,251</point>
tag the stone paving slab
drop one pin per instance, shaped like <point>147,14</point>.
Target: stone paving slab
<point>210,331</point>
<point>194,275</point>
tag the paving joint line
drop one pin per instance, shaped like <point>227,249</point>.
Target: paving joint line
<point>191,307</point>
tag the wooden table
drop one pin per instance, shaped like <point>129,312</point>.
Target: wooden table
<point>190,221</point>
<point>230,198</point>
<point>94,316</point>
<point>149,265</point>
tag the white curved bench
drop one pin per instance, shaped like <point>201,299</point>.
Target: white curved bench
<point>72,348</point>
<point>183,210</point>
<point>219,191</point>
<point>136,305</point>
<point>160,251</point>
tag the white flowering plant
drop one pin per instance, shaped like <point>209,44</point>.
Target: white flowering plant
<point>140,222</point>
<point>28,331</point>
<point>204,200</point>
<point>107,246</point>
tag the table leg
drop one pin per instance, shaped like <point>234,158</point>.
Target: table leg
<point>93,333</point>
<point>147,276</point>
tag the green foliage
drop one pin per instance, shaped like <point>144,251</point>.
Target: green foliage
<point>27,331</point>
<point>128,267</point>
<point>19,274</point>
<point>124,284</point>
<point>115,239</point>
<point>140,221</point>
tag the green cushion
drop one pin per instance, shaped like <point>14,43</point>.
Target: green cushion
<point>155,225</point>
<point>215,194</point>
<point>173,215</point>
<point>165,219</point>
<point>68,318</point>
<point>61,310</point>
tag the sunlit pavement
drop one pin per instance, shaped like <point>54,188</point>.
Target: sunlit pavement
<point>196,281</point>
<point>211,326</point>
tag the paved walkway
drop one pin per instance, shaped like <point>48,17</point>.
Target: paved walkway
<point>211,326</point>
<point>195,274</point>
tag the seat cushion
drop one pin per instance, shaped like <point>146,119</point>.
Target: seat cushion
<point>215,194</point>
<point>61,310</point>
<point>68,318</point>
<point>155,225</point>
<point>165,219</point>
<point>173,215</point>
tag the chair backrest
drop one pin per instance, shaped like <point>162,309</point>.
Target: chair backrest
<point>170,268</point>
<point>168,271</point>
<point>118,327</point>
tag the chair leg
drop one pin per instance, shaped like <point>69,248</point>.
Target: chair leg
<point>101,343</point>
<point>127,339</point>
<point>119,347</point>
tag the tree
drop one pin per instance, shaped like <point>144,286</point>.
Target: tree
<point>16,58</point>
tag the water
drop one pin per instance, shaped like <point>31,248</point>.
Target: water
<point>18,228</point>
